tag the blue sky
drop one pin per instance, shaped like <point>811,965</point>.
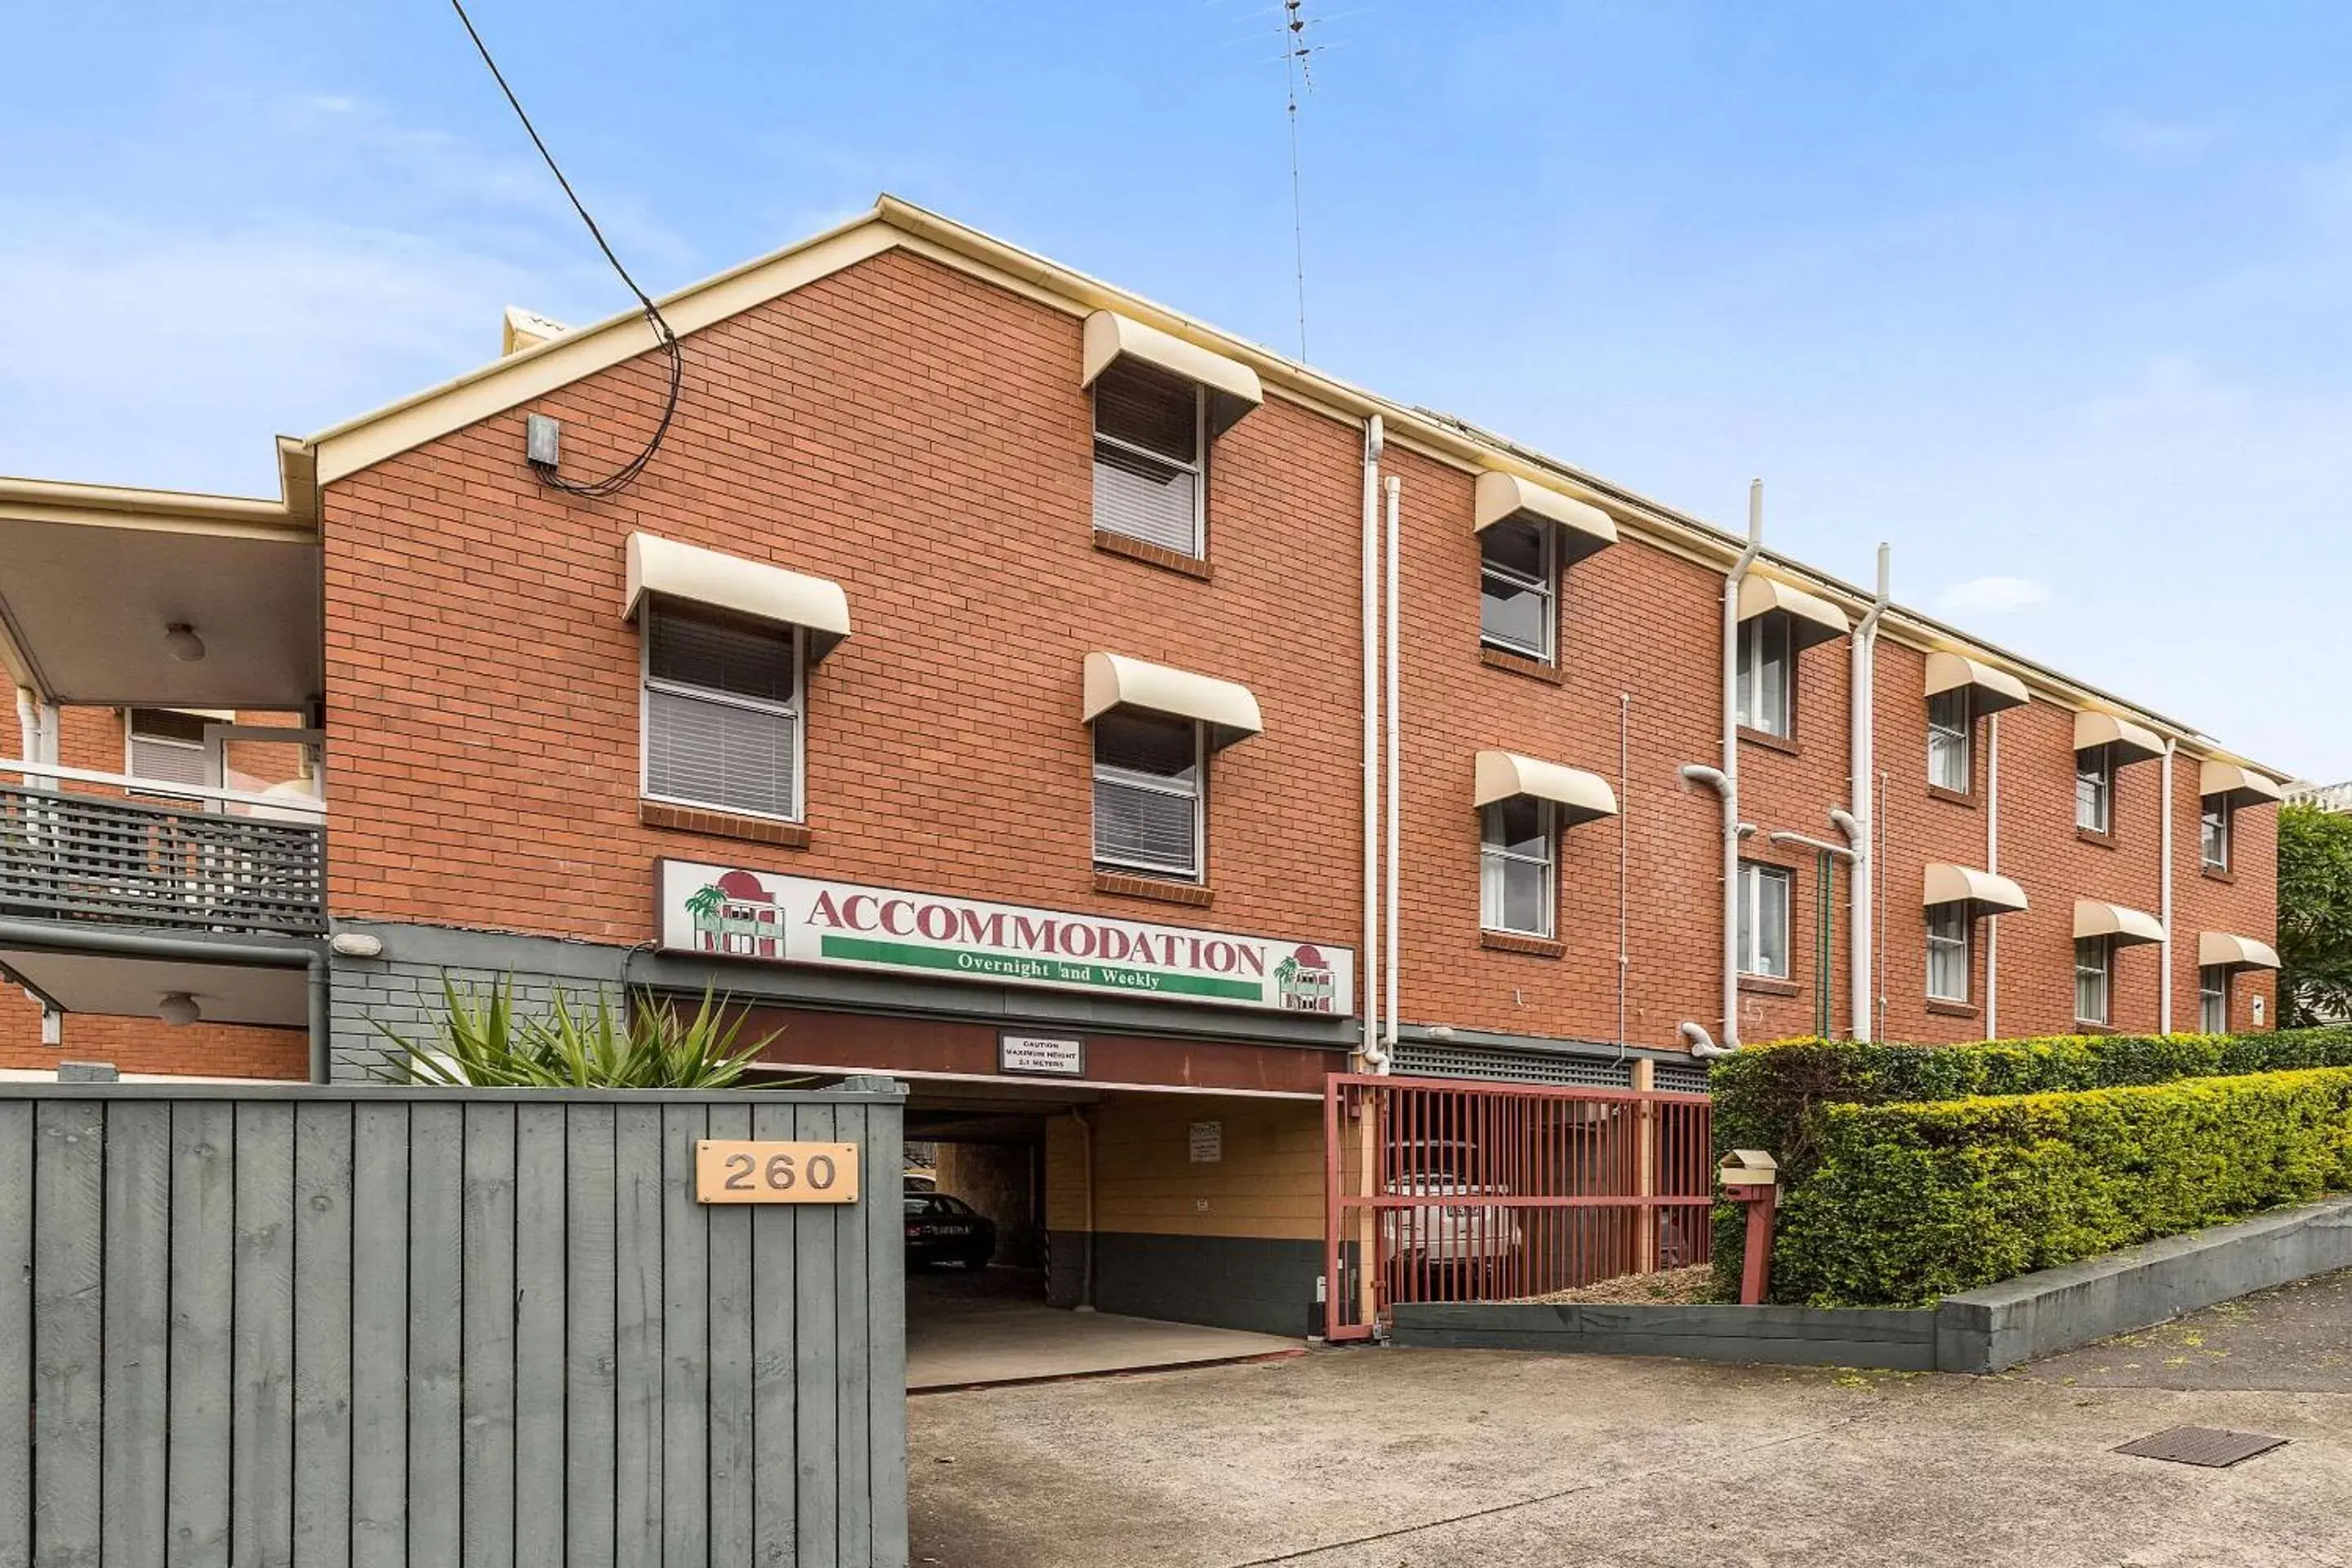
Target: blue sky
<point>2056,299</point>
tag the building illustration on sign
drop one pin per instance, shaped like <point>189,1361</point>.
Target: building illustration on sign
<point>728,912</point>
<point>735,915</point>
<point>1304,982</point>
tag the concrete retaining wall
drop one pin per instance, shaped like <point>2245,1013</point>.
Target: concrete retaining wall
<point>1981,1331</point>
<point>2058,1308</point>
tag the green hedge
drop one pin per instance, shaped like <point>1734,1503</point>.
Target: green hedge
<point>1770,1096</point>
<point>1910,1202</point>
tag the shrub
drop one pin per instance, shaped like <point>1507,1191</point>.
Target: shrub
<point>1910,1202</point>
<point>1770,1096</point>
<point>480,1041</point>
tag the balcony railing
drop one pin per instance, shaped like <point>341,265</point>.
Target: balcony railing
<point>111,860</point>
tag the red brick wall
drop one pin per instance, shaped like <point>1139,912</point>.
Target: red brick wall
<point>920,437</point>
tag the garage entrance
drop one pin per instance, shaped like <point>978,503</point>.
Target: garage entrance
<point>1058,1230</point>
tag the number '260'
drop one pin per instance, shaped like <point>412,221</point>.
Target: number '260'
<point>780,1174</point>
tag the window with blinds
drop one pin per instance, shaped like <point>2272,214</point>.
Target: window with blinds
<point>1148,437</point>
<point>1766,671</point>
<point>2094,789</point>
<point>723,715</point>
<point>1147,794</point>
<point>1947,953</point>
<point>2095,967</point>
<point>167,746</point>
<point>1518,574</point>
<point>1951,730</point>
<point>1515,867</point>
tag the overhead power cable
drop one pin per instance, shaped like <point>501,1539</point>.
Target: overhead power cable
<point>622,477</point>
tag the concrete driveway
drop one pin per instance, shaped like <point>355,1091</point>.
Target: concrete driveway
<point>1391,1458</point>
<point>994,1326</point>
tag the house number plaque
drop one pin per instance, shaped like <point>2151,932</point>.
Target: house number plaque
<point>762,1171</point>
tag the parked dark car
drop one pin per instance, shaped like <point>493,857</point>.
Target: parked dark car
<point>943,1229</point>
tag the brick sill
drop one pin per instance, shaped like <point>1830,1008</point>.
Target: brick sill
<point>2084,1026</point>
<point>1956,797</point>
<point>1942,1009</point>
<point>1769,741</point>
<point>1520,664</point>
<point>2217,874</point>
<point>1167,560</point>
<point>723,825</point>
<point>1764,986</point>
<point>1533,946</point>
<point>2104,840</point>
<point>1192,894</point>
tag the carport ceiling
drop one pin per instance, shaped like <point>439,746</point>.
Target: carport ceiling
<point>130,987</point>
<point>253,601</point>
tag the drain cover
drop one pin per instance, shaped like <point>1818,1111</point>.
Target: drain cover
<point>2207,1446</point>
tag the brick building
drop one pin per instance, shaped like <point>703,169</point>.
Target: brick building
<point>1004,682</point>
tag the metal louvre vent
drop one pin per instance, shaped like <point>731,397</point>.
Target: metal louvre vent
<point>1676,1080</point>
<point>1501,1065</point>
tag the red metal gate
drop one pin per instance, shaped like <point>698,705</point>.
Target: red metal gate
<point>1439,1190</point>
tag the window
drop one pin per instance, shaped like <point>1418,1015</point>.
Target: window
<point>2213,832</point>
<point>1951,735</point>
<point>1765,673</point>
<point>722,711</point>
<point>1764,920</point>
<point>1515,865</point>
<point>1947,953</point>
<point>1519,574</point>
<point>2213,999</point>
<point>1150,435</point>
<point>1148,794</point>
<point>167,745</point>
<point>2094,789</point>
<point>2094,962</point>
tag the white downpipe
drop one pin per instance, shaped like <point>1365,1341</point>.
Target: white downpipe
<point>1730,786</point>
<point>1992,863</point>
<point>1388,788</point>
<point>2164,905</point>
<point>28,729</point>
<point>1374,1057</point>
<point>1862,749</point>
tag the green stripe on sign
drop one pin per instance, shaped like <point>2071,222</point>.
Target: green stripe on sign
<point>1054,971</point>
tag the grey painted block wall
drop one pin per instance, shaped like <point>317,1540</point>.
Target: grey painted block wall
<point>407,999</point>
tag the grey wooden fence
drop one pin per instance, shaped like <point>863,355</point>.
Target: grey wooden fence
<point>354,1328</point>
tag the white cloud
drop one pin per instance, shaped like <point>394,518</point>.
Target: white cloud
<point>1992,596</point>
<point>170,357</point>
<point>2157,141</point>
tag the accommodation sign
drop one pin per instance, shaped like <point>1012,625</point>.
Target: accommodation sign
<point>728,912</point>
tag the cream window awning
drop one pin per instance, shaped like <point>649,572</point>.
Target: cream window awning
<point>753,588</point>
<point>2131,744</point>
<point>1984,892</point>
<point>1581,796</point>
<point>2220,950</point>
<point>1233,386</point>
<point>1993,689</point>
<point>2126,927</point>
<point>2241,786</point>
<point>1811,618</point>
<point>1583,528</point>
<point>1115,680</point>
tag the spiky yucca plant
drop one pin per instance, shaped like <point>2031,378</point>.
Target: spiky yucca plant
<point>481,1042</point>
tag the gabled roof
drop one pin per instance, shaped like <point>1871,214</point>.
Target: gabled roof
<point>535,371</point>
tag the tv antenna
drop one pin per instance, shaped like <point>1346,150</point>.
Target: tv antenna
<point>1297,56</point>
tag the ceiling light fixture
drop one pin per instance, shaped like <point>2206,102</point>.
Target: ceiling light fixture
<point>178,1009</point>
<point>181,641</point>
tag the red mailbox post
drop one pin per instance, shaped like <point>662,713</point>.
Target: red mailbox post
<point>1753,1177</point>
